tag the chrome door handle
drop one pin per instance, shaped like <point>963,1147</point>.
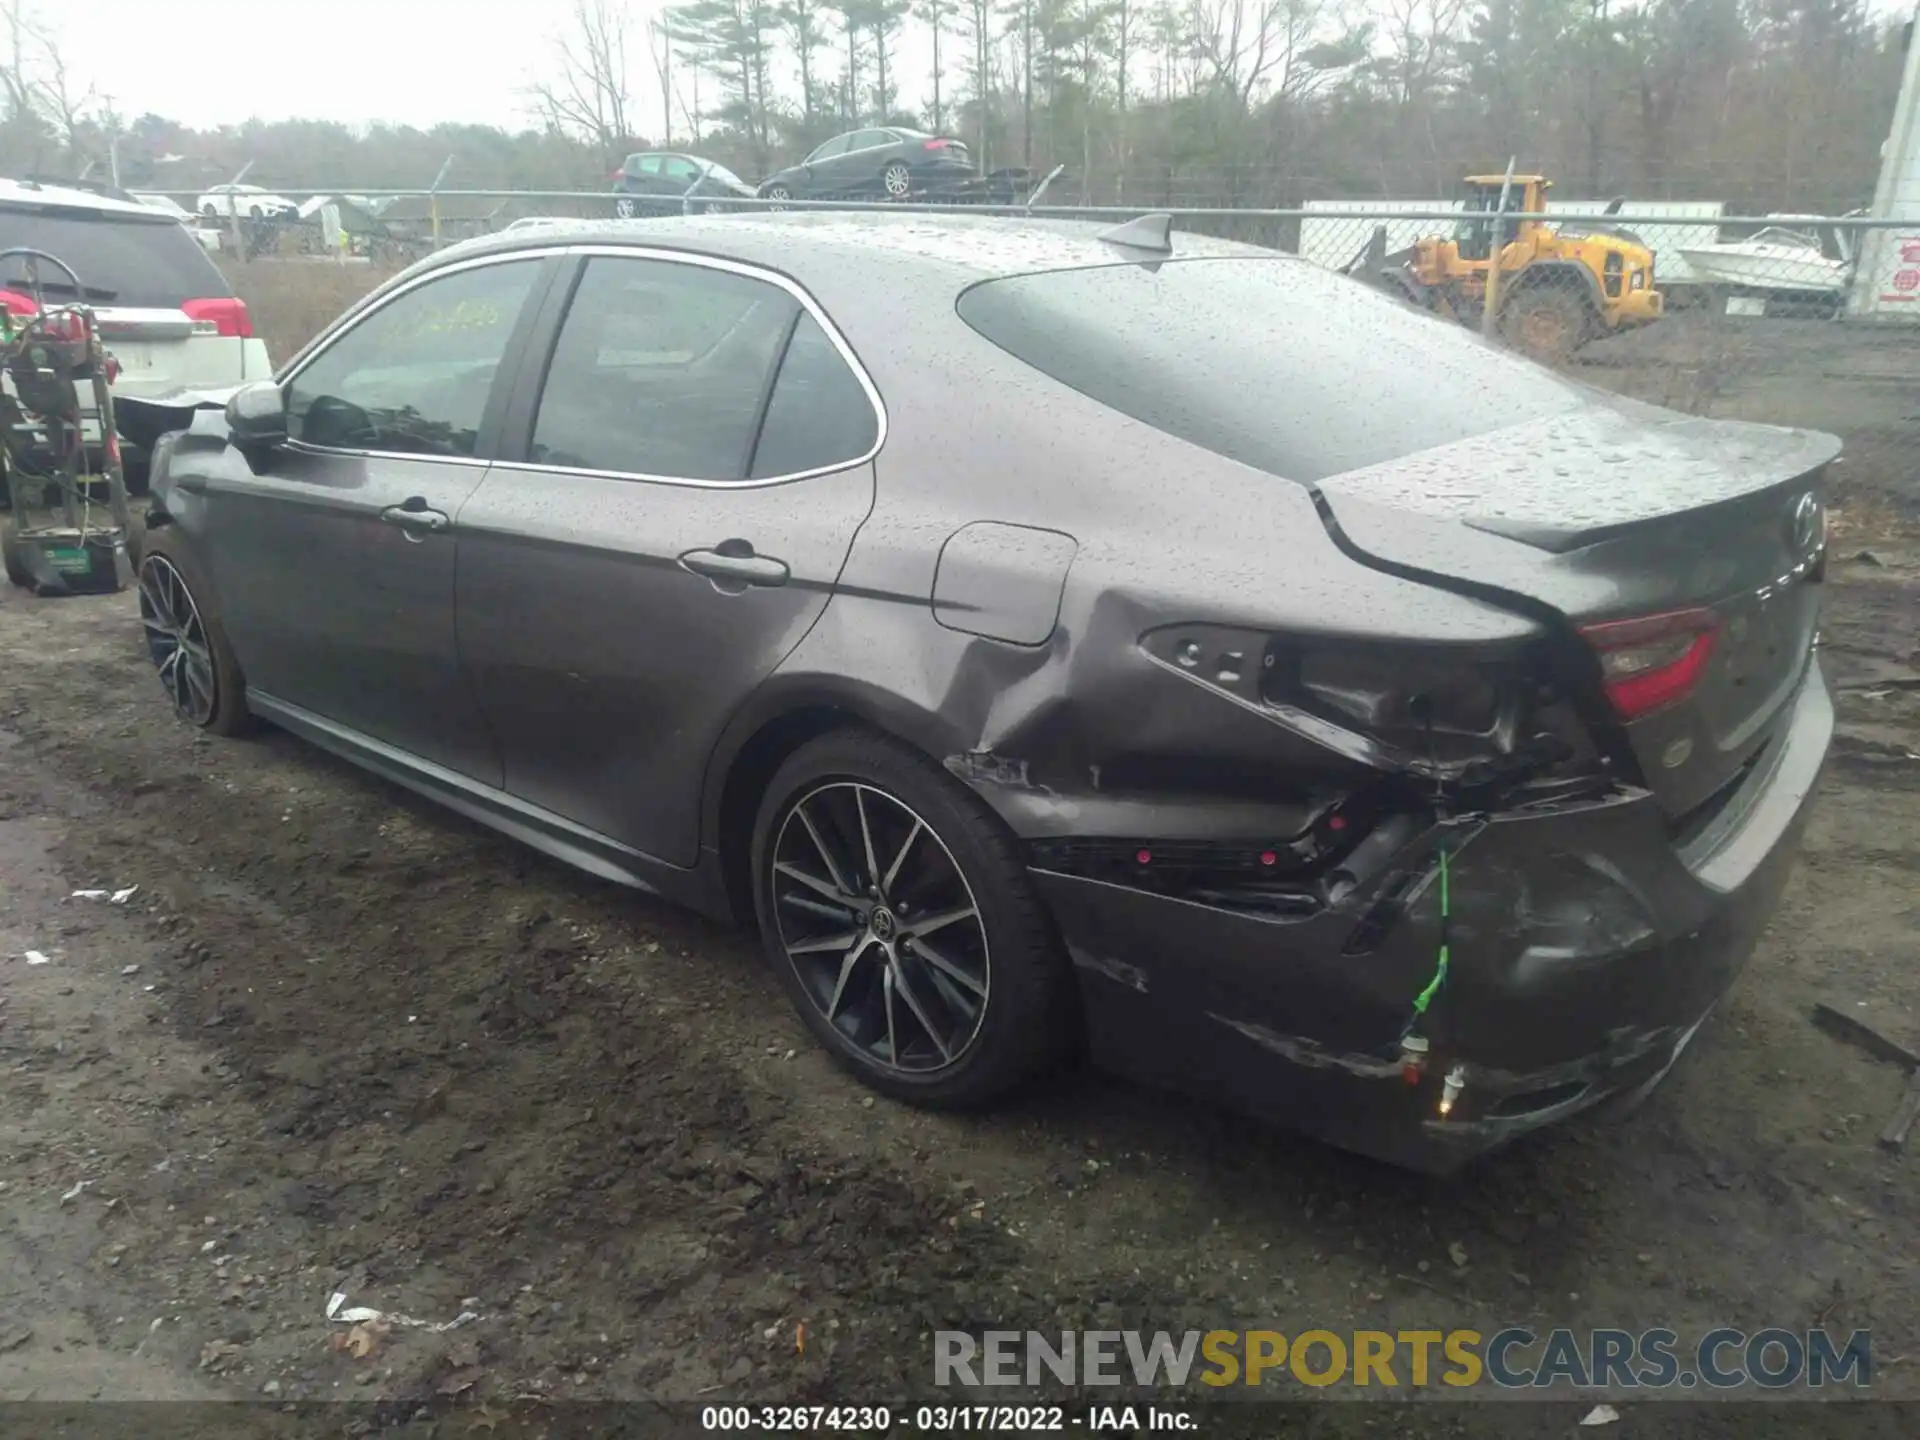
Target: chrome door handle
<point>416,520</point>
<point>734,567</point>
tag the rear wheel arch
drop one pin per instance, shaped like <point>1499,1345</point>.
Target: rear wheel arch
<point>757,744</point>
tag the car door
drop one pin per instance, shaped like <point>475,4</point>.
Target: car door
<point>869,155</point>
<point>824,166</point>
<point>678,176</point>
<point>335,556</point>
<point>697,459</point>
<point>646,176</point>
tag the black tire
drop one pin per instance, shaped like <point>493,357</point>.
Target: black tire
<point>1023,1022</point>
<point>162,560</point>
<point>623,208</point>
<point>779,194</point>
<point>1546,322</point>
<point>896,180</point>
<point>16,572</point>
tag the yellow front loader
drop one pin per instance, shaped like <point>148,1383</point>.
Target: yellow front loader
<point>1558,285</point>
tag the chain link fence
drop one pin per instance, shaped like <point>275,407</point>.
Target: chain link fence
<point>1803,320</point>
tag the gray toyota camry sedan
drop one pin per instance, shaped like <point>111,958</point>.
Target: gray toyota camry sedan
<point>1049,637</point>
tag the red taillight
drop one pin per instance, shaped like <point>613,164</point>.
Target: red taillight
<point>16,303</point>
<point>1653,661</point>
<point>228,316</point>
<point>939,145</point>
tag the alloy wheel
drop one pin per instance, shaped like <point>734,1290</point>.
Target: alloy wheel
<point>177,640</point>
<point>881,928</point>
<point>623,207</point>
<point>897,180</point>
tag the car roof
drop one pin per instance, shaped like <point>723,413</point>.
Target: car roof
<point>26,195</point>
<point>956,248</point>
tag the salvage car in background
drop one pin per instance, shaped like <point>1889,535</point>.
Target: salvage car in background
<point>1229,681</point>
<point>886,163</point>
<point>247,201</point>
<point>167,313</point>
<point>661,182</point>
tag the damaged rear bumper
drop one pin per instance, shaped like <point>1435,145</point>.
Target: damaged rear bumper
<point>1586,952</point>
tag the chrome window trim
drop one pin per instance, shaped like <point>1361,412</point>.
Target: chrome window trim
<point>303,361</point>
<point>750,272</point>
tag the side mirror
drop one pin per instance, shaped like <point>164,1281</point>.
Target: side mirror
<point>257,416</point>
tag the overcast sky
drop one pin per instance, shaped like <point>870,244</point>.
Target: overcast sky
<point>415,62</point>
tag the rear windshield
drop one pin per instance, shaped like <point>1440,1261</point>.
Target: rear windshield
<point>1273,362</point>
<point>132,261</point>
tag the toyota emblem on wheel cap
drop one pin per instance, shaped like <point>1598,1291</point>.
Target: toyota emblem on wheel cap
<point>1805,524</point>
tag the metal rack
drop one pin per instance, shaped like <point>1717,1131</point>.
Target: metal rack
<point>67,521</point>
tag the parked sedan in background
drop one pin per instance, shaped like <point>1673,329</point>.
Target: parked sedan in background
<point>661,182</point>
<point>1228,682</point>
<point>248,201</point>
<point>889,162</point>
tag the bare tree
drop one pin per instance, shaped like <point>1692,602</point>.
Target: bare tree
<point>63,108</point>
<point>934,14</point>
<point>590,96</point>
<point>1255,46</point>
<point>883,19</point>
<point>21,38</point>
<point>853,14</point>
<point>805,28</point>
<point>660,39</point>
<point>978,17</point>
<point>1124,21</point>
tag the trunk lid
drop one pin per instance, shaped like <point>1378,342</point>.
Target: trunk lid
<point>1612,512</point>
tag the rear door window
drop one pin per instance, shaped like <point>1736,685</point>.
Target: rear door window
<point>414,377</point>
<point>137,262</point>
<point>661,369</point>
<point>820,417</point>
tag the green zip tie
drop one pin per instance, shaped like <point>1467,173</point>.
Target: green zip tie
<point>1440,970</point>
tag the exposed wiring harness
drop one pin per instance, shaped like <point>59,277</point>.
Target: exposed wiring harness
<point>1425,997</point>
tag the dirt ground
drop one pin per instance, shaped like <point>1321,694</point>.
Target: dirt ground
<point>340,1041</point>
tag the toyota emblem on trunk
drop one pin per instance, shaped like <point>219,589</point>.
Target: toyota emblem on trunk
<point>1806,523</point>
